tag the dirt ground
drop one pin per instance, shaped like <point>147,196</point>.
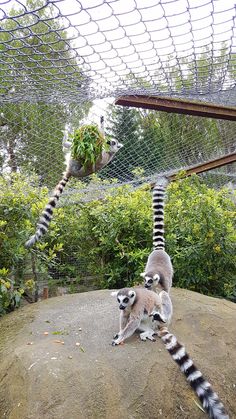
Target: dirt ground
<point>57,360</point>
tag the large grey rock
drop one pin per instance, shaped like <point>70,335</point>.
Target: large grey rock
<point>42,378</point>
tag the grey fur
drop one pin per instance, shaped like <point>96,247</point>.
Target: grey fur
<point>73,168</point>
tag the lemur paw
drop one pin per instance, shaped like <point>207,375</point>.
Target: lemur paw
<point>156,316</point>
<point>147,335</point>
<point>117,341</point>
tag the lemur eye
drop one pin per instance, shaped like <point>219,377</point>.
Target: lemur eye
<point>118,300</point>
<point>150,281</point>
<point>126,300</point>
<point>111,142</point>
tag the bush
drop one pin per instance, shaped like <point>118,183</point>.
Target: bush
<point>113,236</point>
<point>10,294</point>
<point>20,205</point>
<point>116,235</point>
<point>201,237</point>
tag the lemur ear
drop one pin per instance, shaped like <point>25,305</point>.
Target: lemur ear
<point>156,276</point>
<point>131,294</point>
<point>114,293</point>
<point>142,274</point>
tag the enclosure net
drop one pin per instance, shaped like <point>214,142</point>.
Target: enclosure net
<point>64,63</point>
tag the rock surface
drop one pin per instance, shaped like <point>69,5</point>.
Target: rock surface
<point>87,378</point>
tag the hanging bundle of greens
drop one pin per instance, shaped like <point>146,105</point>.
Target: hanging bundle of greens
<point>87,144</point>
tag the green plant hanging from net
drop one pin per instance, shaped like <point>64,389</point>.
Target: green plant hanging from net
<point>87,144</point>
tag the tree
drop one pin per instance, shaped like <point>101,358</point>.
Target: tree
<point>159,141</point>
<point>181,140</point>
<point>36,63</point>
<point>124,124</point>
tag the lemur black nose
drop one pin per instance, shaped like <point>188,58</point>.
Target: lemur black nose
<point>147,285</point>
<point>121,307</point>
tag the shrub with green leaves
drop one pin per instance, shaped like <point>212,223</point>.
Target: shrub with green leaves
<point>21,202</point>
<point>114,236</point>
<point>10,293</point>
<point>87,144</point>
<point>201,237</point>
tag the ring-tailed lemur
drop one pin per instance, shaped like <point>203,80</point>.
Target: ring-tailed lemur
<point>209,399</point>
<point>76,169</point>
<point>137,306</point>
<point>158,271</point>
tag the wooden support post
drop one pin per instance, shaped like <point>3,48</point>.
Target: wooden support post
<point>45,293</point>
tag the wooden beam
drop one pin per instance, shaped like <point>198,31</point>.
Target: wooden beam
<point>203,167</point>
<point>212,164</point>
<point>178,106</point>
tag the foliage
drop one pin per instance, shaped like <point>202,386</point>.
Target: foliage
<point>201,237</point>
<point>10,294</point>
<point>189,138</point>
<point>124,124</point>
<point>159,141</point>
<point>31,132</point>
<point>87,144</point>
<point>21,202</point>
<point>112,237</point>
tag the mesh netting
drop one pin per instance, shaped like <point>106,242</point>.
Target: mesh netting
<point>63,63</point>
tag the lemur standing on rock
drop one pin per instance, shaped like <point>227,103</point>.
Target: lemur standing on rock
<point>158,271</point>
<point>138,306</point>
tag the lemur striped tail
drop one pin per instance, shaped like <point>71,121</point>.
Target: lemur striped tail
<point>202,388</point>
<point>158,213</point>
<point>47,214</point>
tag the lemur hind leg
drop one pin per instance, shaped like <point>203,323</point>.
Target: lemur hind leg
<point>147,329</point>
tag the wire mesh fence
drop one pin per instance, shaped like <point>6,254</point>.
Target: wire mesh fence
<point>66,51</point>
<point>63,63</point>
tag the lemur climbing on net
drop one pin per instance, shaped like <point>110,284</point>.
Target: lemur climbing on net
<point>76,169</point>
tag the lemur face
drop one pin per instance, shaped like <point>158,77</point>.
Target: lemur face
<point>125,300</point>
<point>150,281</point>
<point>114,145</point>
